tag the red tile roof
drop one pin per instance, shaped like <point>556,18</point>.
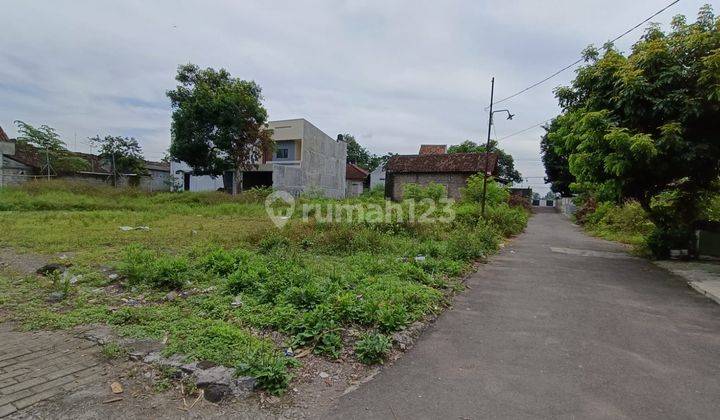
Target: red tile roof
<point>454,162</point>
<point>433,149</point>
<point>3,136</point>
<point>354,172</point>
<point>30,155</point>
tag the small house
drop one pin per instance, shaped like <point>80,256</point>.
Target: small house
<point>356,179</point>
<point>451,170</point>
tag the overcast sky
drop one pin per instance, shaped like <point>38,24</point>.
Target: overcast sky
<point>395,74</point>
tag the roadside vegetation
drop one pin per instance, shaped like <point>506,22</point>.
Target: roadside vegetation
<point>211,276</point>
<point>637,137</point>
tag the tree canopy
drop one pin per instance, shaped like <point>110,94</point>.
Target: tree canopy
<point>124,153</point>
<point>218,122</point>
<point>360,156</point>
<point>51,146</point>
<point>645,125</point>
<point>506,164</point>
<point>557,169</point>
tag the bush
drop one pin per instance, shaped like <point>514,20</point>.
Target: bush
<point>372,348</point>
<point>495,192</point>
<point>508,220</point>
<point>330,344</point>
<point>141,266</point>
<point>661,241</point>
<point>431,191</point>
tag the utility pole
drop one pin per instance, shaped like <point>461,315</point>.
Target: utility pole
<point>487,147</point>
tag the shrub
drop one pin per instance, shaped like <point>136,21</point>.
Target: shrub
<point>372,348</point>
<point>330,344</point>
<point>141,266</point>
<point>245,276</point>
<point>508,220</point>
<point>495,192</point>
<point>271,372</point>
<point>432,191</point>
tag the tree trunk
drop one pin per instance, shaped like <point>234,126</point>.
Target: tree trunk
<point>237,181</point>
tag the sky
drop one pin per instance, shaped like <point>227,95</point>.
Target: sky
<point>396,74</point>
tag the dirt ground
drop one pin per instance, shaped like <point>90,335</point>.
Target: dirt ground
<point>317,383</point>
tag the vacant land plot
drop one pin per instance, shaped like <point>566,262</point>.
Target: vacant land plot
<point>215,280</point>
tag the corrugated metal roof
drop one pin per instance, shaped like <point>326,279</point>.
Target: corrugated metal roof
<point>454,162</point>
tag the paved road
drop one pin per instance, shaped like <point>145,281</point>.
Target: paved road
<point>559,325</point>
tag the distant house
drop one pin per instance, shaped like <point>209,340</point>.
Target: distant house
<point>377,177</point>
<point>450,170</point>
<point>356,180</point>
<point>304,159</point>
<point>22,162</point>
<point>433,149</point>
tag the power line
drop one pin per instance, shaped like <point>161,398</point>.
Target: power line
<point>524,130</point>
<point>576,62</point>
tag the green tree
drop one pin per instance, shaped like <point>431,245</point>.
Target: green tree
<point>506,171</point>
<point>645,126</point>
<point>557,168</point>
<point>124,154</point>
<point>218,122</point>
<point>360,156</point>
<point>56,157</point>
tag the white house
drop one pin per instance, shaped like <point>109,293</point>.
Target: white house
<point>304,159</point>
<point>377,177</point>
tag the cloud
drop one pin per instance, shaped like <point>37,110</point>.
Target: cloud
<point>394,73</point>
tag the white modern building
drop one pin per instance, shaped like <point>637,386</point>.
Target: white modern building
<point>304,159</point>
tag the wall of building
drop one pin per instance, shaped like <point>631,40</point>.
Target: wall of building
<point>197,183</point>
<point>288,179</point>
<point>291,148</point>
<point>353,188</point>
<point>453,182</point>
<point>14,173</point>
<point>377,177</point>
<point>323,162</point>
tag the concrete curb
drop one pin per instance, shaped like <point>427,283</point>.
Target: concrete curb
<point>697,275</point>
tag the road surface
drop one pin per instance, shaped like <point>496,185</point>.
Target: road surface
<point>558,325</point>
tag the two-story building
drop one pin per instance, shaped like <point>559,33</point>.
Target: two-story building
<point>304,159</point>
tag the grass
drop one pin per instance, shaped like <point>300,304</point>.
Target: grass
<point>337,288</point>
<point>627,224</point>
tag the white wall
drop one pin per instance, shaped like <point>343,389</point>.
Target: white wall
<point>377,177</point>
<point>197,183</point>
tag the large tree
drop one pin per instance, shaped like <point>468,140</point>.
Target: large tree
<point>56,157</point>
<point>645,126</point>
<point>506,165</point>
<point>218,122</point>
<point>557,168</point>
<point>123,153</point>
<point>360,156</point>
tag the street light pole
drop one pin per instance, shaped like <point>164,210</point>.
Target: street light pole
<point>487,146</point>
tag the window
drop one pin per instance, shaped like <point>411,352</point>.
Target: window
<point>281,153</point>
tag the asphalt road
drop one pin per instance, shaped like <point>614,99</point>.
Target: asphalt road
<point>558,325</point>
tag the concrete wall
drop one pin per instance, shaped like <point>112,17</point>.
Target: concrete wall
<point>377,177</point>
<point>197,183</point>
<point>323,162</point>
<point>290,146</point>
<point>453,182</point>
<point>288,178</point>
<point>321,167</point>
<point>566,206</point>
<point>353,188</point>
<point>14,173</point>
